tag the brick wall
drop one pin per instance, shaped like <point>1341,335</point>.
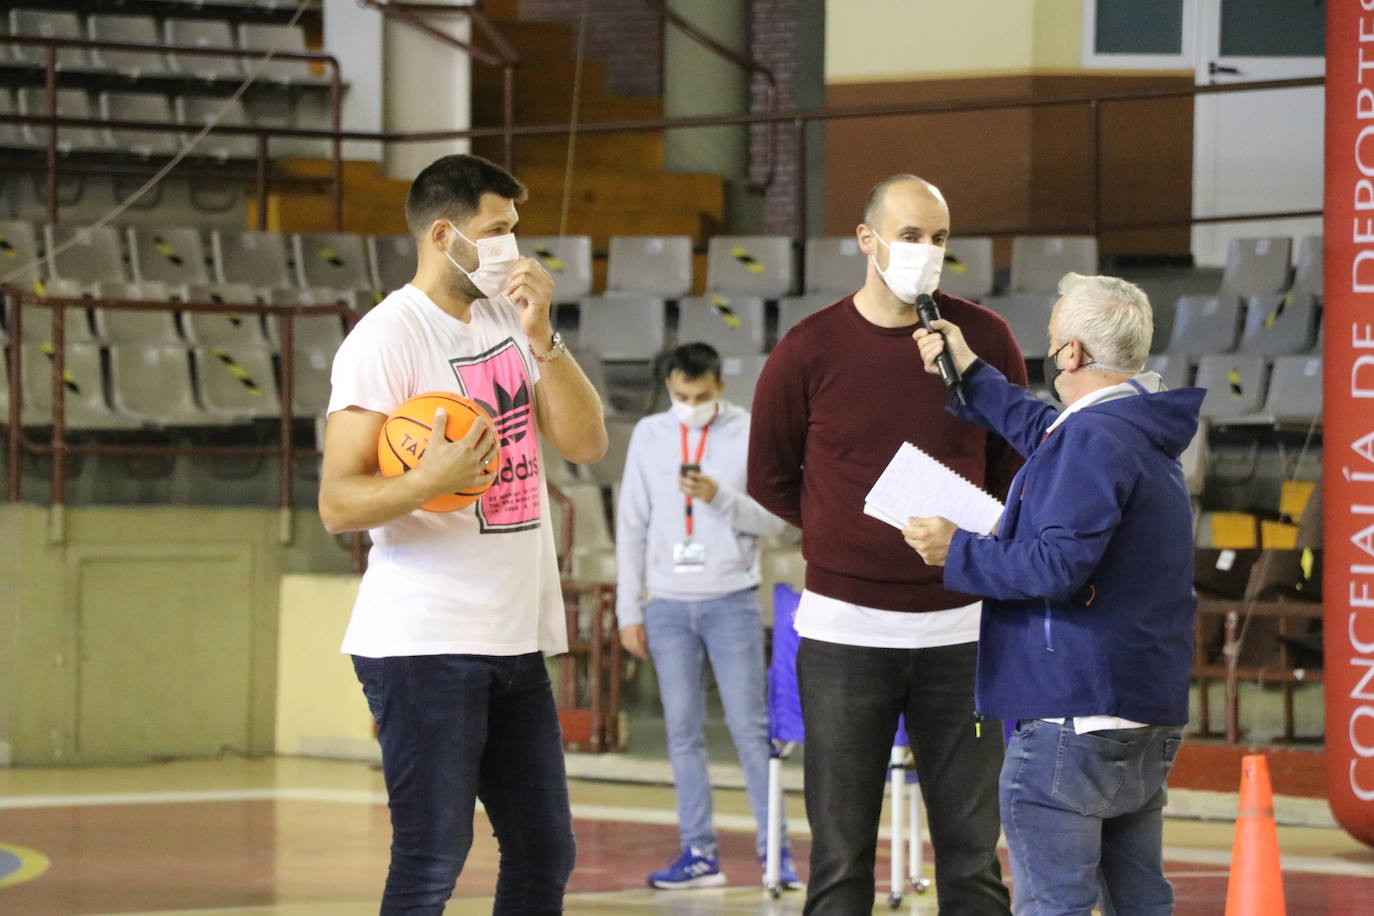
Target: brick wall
<point>773,43</point>
<point>624,35</point>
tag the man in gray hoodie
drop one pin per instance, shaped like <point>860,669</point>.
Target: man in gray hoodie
<point>686,534</point>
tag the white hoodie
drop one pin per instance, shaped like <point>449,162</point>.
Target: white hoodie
<point>649,519</point>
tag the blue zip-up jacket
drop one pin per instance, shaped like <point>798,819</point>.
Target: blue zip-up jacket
<point>1089,580</point>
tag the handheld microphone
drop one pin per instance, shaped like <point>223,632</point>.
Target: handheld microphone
<point>928,311</point>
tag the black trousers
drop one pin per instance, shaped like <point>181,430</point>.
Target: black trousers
<point>851,698</point>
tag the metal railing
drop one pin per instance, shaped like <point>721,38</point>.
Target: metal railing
<point>58,446</point>
<point>54,167</point>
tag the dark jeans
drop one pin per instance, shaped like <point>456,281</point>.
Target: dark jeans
<point>456,728</point>
<point>851,697</point>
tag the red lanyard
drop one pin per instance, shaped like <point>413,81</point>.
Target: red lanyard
<point>701,450</point>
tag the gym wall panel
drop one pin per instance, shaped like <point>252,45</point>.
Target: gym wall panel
<point>320,707</point>
<point>148,632</point>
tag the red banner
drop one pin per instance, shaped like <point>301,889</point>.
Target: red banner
<point>1348,433</point>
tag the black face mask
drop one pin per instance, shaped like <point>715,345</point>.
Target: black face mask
<point>1052,371</point>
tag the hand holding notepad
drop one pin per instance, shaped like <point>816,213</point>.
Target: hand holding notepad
<point>915,485</point>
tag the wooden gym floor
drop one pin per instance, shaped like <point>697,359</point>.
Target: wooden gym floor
<point>295,837</point>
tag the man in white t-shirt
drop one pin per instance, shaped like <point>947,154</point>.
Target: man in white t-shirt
<point>457,611</point>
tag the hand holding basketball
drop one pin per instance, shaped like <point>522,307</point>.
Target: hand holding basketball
<point>456,467</point>
<point>465,465</point>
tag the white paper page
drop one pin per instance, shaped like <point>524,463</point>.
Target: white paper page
<point>916,485</point>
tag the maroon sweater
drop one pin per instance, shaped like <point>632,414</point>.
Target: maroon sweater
<point>836,399</point>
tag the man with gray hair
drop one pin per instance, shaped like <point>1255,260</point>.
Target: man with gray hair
<point>1087,630</point>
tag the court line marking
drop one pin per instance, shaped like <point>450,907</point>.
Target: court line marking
<point>610,813</point>
<point>32,863</point>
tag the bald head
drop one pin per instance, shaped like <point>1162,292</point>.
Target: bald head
<point>906,186</point>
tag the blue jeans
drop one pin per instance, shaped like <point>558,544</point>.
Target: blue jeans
<point>456,728</point>
<point>682,635</point>
<point>1084,817</point>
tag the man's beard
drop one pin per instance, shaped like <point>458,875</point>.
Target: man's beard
<point>463,288</point>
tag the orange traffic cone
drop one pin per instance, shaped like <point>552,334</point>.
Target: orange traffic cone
<point>1256,884</point>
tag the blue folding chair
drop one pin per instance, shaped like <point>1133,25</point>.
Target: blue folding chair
<point>785,730</point>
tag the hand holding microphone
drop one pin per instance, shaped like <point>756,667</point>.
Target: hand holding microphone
<point>942,347</point>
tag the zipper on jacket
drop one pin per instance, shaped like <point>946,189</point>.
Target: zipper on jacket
<point>1049,637</point>
<point>977,724</point>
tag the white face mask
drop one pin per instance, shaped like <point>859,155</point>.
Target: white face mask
<point>496,259</point>
<point>913,268</point>
<point>694,416</point>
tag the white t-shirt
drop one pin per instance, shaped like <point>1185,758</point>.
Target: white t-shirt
<point>482,580</point>
<point>831,620</point>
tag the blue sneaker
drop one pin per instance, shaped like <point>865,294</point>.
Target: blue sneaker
<point>691,868</point>
<point>787,870</point>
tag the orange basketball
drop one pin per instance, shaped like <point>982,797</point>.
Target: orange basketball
<point>405,435</point>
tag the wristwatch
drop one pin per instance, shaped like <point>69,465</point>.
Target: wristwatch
<point>557,350</point>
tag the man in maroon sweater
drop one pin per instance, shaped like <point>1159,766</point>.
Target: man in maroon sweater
<point>881,636</point>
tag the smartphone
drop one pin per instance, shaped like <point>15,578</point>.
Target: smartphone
<point>689,469</point>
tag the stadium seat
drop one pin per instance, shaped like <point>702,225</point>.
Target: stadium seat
<point>1235,384</point>
<point>120,327</point>
<point>1205,324</point>
<point>595,370</point>
<point>792,309</point>
<point>71,103</point>
<point>265,37</point>
<point>310,332</point>
<point>237,383</point>
<point>203,33</point>
<point>622,327</point>
<point>741,375</point>
<point>1307,278</point>
<point>968,268</point>
<point>38,320</point>
<point>221,329</point>
<point>331,260</point>
<point>731,324</point>
<point>1279,325</point>
<point>258,259</point>
<point>1295,390</point>
<point>194,112</point>
<point>568,259</point>
<point>310,386</point>
<point>834,265</point>
<point>1039,262</point>
<point>750,265</point>
<point>38,23</point>
<point>83,405</point>
<point>1175,371</point>
<point>140,106</point>
<point>14,136</point>
<point>1028,315</point>
<point>393,260</point>
<point>610,469</point>
<point>1256,267</point>
<point>85,255</point>
<point>171,255</point>
<point>651,265</point>
<point>19,248</point>
<point>134,30</point>
<point>153,385</point>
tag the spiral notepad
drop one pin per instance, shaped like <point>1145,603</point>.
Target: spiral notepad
<point>915,485</point>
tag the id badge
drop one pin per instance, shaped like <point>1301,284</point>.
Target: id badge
<point>689,557</point>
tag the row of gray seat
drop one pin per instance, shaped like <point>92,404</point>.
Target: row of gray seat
<point>184,115</point>
<point>132,387</point>
<point>187,256</point>
<point>149,31</point>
